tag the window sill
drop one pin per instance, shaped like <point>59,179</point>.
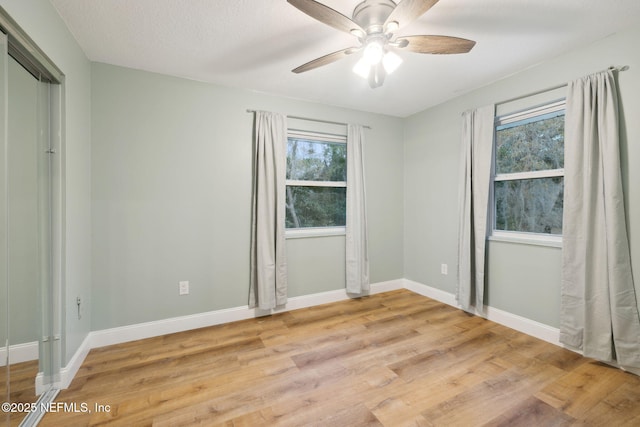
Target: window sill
<point>300,233</point>
<point>528,239</point>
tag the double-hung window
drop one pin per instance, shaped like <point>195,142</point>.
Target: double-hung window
<point>528,179</point>
<point>316,184</point>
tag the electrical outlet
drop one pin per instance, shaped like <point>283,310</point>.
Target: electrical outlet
<point>444,269</point>
<point>183,287</point>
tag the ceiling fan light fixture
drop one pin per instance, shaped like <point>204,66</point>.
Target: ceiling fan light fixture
<point>391,62</point>
<point>391,27</point>
<point>376,76</point>
<point>358,33</point>
<point>362,68</point>
<point>373,52</point>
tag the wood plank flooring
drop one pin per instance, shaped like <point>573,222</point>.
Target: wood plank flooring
<point>392,359</point>
<point>22,388</point>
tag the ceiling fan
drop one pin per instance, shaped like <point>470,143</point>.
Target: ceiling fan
<point>374,23</point>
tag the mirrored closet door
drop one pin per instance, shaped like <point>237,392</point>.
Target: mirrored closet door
<point>29,326</point>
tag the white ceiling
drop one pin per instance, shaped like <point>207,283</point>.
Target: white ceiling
<point>254,44</point>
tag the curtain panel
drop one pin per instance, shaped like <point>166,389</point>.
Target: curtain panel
<point>357,240</point>
<point>473,202</point>
<point>599,311</point>
<point>268,276</point>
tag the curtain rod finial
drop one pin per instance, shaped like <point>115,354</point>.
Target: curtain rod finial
<point>623,68</point>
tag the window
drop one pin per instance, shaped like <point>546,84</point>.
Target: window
<point>528,179</point>
<point>316,184</point>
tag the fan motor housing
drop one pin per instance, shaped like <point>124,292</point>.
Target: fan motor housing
<point>372,14</point>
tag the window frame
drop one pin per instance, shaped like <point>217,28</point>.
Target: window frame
<point>524,237</point>
<point>305,232</point>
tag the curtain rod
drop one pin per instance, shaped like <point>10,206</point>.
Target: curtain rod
<point>549,89</point>
<point>316,120</point>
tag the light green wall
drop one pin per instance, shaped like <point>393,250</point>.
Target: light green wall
<point>43,24</point>
<point>522,279</point>
<point>172,165</point>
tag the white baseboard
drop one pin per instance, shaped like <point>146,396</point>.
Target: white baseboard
<point>524,325</point>
<point>201,320</point>
<point>40,387</point>
<point>139,331</point>
<point>68,372</point>
<point>19,353</point>
<point>510,320</point>
<point>429,292</point>
<point>183,323</point>
<point>389,285</point>
<point>63,379</point>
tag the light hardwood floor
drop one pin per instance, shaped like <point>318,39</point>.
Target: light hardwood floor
<point>392,359</point>
<point>22,389</point>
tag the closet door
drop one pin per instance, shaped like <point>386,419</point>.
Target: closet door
<point>23,235</point>
<point>26,228</point>
<point>31,116</point>
<point>23,211</point>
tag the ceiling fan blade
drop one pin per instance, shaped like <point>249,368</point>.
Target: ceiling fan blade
<point>436,44</point>
<point>324,60</point>
<point>328,16</point>
<point>408,11</point>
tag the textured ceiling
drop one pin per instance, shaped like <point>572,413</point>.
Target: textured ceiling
<point>254,44</point>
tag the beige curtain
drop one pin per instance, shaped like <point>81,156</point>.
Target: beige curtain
<point>599,311</point>
<point>357,252</point>
<point>473,202</point>
<point>268,276</point>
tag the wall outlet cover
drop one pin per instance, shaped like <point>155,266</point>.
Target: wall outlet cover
<point>183,287</point>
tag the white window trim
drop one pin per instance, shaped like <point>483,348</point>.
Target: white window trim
<point>301,183</point>
<point>529,113</point>
<point>316,136</point>
<point>308,232</point>
<point>298,233</point>
<point>521,237</point>
<point>519,176</point>
<point>536,239</point>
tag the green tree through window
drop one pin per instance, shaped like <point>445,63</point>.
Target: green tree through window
<point>529,175</point>
<point>316,182</point>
